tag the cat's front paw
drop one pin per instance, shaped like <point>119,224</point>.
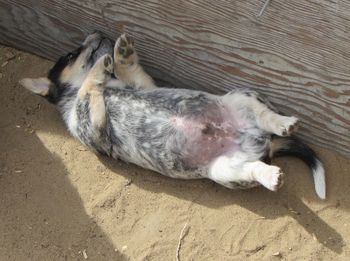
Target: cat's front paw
<point>124,51</point>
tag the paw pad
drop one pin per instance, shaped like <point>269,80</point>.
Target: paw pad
<point>272,178</point>
<point>108,64</point>
<point>277,180</point>
<point>125,46</point>
<point>107,61</point>
<point>285,126</point>
<point>294,127</point>
<point>290,126</point>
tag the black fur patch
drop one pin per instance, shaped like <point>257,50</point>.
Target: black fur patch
<point>296,148</point>
<point>57,88</point>
<point>55,72</point>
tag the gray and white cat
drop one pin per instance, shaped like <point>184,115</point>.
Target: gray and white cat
<point>180,133</point>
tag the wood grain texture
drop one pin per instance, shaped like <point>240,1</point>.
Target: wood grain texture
<point>297,52</point>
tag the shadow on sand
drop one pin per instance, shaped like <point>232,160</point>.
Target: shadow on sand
<point>41,215</point>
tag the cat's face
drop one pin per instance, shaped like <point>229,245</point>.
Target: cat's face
<point>71,69</point>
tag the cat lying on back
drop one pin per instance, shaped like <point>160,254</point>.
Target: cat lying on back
<point>180,133</point>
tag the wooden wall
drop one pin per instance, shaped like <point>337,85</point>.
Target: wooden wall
<point>297,52</point>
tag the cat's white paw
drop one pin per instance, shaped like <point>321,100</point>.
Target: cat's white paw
<point>271,178</point>
<point>285,126</point>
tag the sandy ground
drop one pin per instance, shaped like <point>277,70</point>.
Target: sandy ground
<point>59,201</point>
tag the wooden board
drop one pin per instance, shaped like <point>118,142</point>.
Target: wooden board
<point>297,52</point>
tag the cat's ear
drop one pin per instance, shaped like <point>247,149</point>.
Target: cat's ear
<point>36,85</point>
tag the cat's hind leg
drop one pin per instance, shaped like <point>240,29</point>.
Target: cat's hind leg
<point>248,103</point>
<point>236,173</point>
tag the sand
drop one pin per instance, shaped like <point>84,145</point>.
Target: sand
<point>59,201</point>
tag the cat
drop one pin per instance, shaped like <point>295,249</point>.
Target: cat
<point>113,106</point>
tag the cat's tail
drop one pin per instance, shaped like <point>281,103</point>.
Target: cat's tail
<point>291,146</point>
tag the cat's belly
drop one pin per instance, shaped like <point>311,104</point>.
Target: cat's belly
<point>205,139</point>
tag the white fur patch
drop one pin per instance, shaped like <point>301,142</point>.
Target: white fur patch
<point>320,180</point>
<point>38,86</point>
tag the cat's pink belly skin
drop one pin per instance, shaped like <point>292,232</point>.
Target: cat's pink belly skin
<point>206,138</point>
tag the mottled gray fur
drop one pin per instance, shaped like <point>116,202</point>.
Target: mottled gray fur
<point>180,133</point>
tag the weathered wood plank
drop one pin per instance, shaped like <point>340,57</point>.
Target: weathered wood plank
<point>297,52</point>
